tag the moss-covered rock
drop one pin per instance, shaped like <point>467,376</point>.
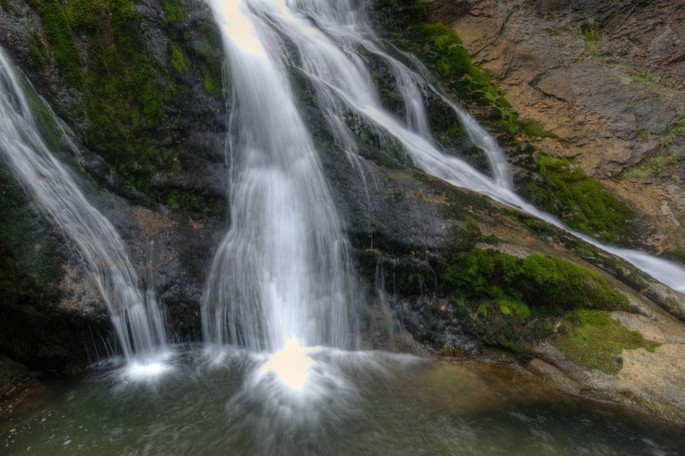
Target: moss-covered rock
<point>513,302</point>
<point>57,29</point>
<point>120,72</point>
<point>178,59</point>
<point>98,47</point>
<point>592,339</point>
<point>548,285</point>
<point>173,11</point>
<point>579,200</point>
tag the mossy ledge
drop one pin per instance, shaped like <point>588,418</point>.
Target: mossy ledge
<point>505,301</point>
<point>547,285</point>
<point>578,200</point>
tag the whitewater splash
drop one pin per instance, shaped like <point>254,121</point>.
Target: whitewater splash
<point>332,39</point>
<point>136,316</point>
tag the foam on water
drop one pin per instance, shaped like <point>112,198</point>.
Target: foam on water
<point>291,365</point>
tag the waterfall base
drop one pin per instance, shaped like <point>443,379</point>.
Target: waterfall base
<point>352,403</point>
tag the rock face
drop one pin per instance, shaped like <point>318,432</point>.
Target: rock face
<point>606,78</point>
<point>152,160</point>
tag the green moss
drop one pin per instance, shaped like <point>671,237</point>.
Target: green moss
<point>208,50</point>
<point>592,339</point>
<point>178,60</point>
<point>172,201</point>
<point>534,129</point>
<point>660,166</point>
<point>644,135</point>
<point>172,11</point>
<point>123,98</point>
<point>211,38</point>
<point>546,281</point>
<point>649,80</point>
<point>509,308</point>
<point>545,284</point>
<point>514,303</point>
<point>483,310</point>
<point>58,34</point>
<point>212,87</point>
<point>591,37</point>
<point>193,204</point>
<point>85,16</point>
<point>678,128</point>
<point>578,200</point>
<point>38,50</point>
<point>584,250</point>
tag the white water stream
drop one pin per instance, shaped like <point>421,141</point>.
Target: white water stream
<point>136,316</point>
<point>281,273</point>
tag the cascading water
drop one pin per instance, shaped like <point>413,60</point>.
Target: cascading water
<point>281,272</point>
<point>330,38</point>
<point>137,319</point>
<point>281,278</point>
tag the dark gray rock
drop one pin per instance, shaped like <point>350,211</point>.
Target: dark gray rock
<point>11,373</point>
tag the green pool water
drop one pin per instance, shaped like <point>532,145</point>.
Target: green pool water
<point>362,403</point>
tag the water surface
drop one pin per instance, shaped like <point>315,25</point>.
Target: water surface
<point>349,403</point>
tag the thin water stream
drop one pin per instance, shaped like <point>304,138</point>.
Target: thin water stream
<point>136,316</point>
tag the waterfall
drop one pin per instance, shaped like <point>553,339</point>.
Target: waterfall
<point>282,271</point>
<point>137,319</point>
<point>331,39</point>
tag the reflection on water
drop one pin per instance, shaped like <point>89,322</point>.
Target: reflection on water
<point>351,403</point>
